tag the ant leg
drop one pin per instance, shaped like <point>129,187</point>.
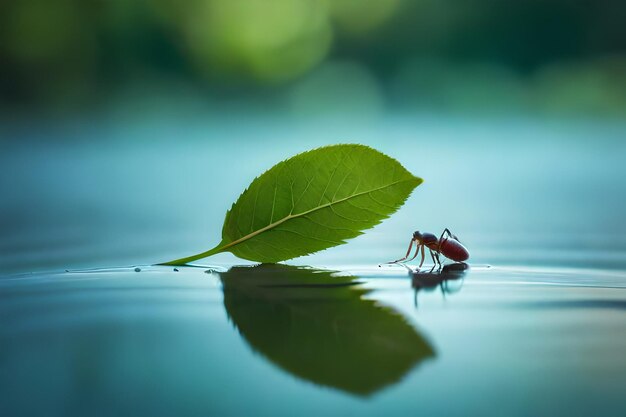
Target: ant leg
<point>438,259</point>
<point>449,233</point>
<point>435,260</point>
<point>405,256</point>
<point>423,254</point>
<point>417,249</point>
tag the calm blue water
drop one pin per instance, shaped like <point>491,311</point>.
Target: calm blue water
<point>536,326</point>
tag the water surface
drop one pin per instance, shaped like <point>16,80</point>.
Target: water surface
<point>536,326</point>
<point>286,340</point>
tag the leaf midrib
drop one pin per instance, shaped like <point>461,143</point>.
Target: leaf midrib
<point>304,213</point>
<point>270,226</point>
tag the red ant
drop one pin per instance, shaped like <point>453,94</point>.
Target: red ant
<point>448,246</point>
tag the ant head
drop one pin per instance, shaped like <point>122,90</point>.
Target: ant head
<point>417,236</point>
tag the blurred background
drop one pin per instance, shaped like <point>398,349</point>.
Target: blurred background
<point>127,128</point>
<point>538,57</point>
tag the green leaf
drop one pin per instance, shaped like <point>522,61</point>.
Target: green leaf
<point>312,201</point>
<point>321,328</point>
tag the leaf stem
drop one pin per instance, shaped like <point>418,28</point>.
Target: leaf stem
<point>184,261</point>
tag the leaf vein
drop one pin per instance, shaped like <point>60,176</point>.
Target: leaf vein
<point>305,189</point>
<point>256,197</point>
<point>341,184</point>
<point>310,237</point>
<point>274,199</point>
<point>331,178</point>
<point>327,226</point>
<point>379,202</point>
<point>364,209</point>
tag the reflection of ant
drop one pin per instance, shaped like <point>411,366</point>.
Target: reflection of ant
<point>440,278</point>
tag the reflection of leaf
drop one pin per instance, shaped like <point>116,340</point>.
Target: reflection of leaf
<point>312,201</point>
<point>319,327</point>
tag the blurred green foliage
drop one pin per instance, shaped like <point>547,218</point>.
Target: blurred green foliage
<point>547,55</point>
